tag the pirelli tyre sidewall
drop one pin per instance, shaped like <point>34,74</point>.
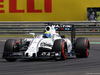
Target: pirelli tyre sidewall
<point>60,46</point>
<point>10,46</point>
<point>82,46</point>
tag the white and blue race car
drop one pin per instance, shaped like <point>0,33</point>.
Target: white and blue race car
<point>48,45</point>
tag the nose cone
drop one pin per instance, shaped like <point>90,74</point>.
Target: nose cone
<point>31,50</point>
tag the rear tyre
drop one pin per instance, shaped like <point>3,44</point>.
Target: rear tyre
<point>10,46</point>
<point>60,47</point>
<point>82,46</point>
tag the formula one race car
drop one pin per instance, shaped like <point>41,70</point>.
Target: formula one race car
<point>48,45</point>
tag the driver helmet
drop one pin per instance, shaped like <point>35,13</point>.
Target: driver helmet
<point>47,35</point>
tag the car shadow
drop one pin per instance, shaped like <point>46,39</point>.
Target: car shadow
<point>37,60</point>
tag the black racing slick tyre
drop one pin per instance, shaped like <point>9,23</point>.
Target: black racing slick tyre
<point>10,46</point>
<point>60,46</point>
<point>82,46</point>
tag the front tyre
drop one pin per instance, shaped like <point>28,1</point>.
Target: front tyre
<point>82,46</point>
<point>60,47</point>
<point>10,46</point>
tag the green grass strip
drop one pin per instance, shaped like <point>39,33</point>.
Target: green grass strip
<point>8,35</point>
<point>16,35</point>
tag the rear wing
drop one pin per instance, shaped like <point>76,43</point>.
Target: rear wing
<point>63,27</point>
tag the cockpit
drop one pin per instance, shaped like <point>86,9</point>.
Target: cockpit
<point>47,35</point>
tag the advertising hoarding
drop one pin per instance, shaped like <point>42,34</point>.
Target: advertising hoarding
<point>45,10</point>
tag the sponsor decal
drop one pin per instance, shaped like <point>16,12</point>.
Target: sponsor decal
<point>30,6</point>
<point>62,27</point>
<point>46,44</point>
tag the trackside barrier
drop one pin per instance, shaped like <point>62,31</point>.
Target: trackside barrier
<point>81,27</point>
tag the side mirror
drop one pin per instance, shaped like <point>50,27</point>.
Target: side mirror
<point>32,34</point>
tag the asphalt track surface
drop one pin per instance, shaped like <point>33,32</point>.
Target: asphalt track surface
<point>71,66</point>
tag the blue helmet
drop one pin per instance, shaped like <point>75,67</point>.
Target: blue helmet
<point>46,35</point>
